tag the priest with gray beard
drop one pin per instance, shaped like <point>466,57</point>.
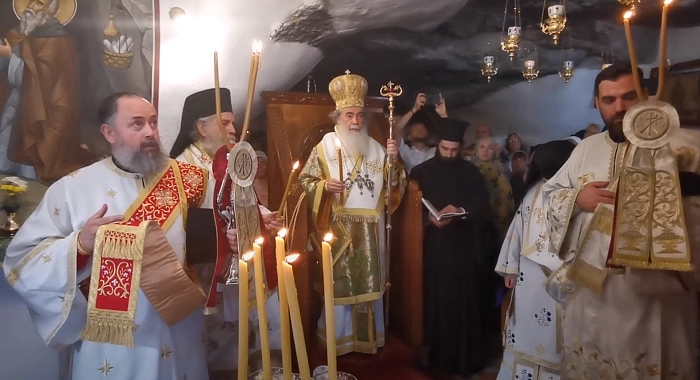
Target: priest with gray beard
<point>39,128</point>
<point>345,181</point>
<point>118,228</point>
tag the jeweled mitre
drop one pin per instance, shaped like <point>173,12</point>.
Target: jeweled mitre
<point>348,90</point>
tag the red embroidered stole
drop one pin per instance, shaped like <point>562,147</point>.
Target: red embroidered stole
<point>119,249</point>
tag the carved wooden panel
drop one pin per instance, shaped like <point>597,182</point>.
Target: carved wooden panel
<point>295,124</point>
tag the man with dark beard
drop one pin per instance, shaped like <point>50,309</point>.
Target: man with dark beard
<point>345,181</point>
<point>120,225</point>
<point>39,127</point>
<point>625,322</point>
<point>456,261</point>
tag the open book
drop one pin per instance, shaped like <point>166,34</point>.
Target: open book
<point>436,214</point>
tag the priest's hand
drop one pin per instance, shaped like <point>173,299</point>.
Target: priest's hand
<point>594,194</point>
<point>86,236</point>
<point>272,222</point>
<point>509,280</point>
<point>232,236</point>
<point>449,209</point>
<point>439,223</point>
<point>5,49</point>
<point>335,186</point>
<point>392,148</point>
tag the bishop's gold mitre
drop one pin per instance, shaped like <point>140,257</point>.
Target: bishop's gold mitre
<point>348,90</point>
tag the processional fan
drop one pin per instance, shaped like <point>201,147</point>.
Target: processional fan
<point>658,238</point>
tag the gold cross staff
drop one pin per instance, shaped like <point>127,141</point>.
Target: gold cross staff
<point>391,91</point>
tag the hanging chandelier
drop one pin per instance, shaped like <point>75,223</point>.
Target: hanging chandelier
<point>566,72</point>
<point>489,68</point>
<point>530,69</point>
<point>509,42</point>
<point>632,4</point>
<point>556,22</point>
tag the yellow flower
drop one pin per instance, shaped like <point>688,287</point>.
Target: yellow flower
<point>12,189</point>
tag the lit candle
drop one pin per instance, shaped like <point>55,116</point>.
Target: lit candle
<point>284,307</point>
<point>217,96</point>
<point>292,177</point>
<point>243,315</point>
<point>662,50</point>
<point>295,314</point>
<point>262,313</point>
<point>633,55</point>
<point>530,64</point>
<point>328,298</point>
<point>254,67</point>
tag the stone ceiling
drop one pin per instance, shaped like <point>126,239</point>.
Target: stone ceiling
<point>437,46</point>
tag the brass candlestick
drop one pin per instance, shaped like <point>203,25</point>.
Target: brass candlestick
<point>389,90</point>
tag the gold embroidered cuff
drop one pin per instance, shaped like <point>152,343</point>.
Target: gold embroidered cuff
<point>81,249</point>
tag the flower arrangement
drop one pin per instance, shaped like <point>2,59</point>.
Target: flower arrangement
<point>12,186</point>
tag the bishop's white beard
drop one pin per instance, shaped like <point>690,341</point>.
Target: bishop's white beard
<point>31,21</point>
<point>146,163</point>
<point>356,143</point>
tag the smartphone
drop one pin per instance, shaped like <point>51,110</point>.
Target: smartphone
<point>433,99</point>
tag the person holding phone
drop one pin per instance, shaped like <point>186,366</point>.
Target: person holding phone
<point>417,150</point>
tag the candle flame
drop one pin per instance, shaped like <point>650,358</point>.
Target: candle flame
<point>628,15</point>
<point>292,258</point>
<point>257,47</point>
<point>295,166</point>
<point>248,256</point>
<point>668,2</point>
<point>282,233</point>
<point>259,241</point>
<point>328,237</point>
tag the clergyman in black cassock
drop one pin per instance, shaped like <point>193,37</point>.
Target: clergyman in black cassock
<point>455,251</point>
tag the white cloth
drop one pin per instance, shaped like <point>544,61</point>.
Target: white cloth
<point>412,156</point>
<point>535,318</point>
<point>643,323</point>
<point>221,330</point>
<point>41,266</point>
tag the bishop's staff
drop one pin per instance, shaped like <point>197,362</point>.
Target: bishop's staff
<point>389,90</point>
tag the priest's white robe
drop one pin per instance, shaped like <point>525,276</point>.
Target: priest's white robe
<point>221,330</point>
<point>533,329</point>
<point>619,323</point>
<point>41,266</point>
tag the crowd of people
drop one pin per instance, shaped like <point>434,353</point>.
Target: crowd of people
<point>533,229</point>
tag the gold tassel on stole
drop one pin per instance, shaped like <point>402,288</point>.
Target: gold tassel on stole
<point>116,275</point>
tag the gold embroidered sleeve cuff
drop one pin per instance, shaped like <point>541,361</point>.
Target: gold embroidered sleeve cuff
<point>81,248</point>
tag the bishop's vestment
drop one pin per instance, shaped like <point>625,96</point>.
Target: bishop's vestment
<point>358,224</point>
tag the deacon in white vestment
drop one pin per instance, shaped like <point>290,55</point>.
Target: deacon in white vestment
<point>197,143</point>
<point>348,171</point>
<point>621,322</point>
<point>533,330</point>
<point>57,247</point>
